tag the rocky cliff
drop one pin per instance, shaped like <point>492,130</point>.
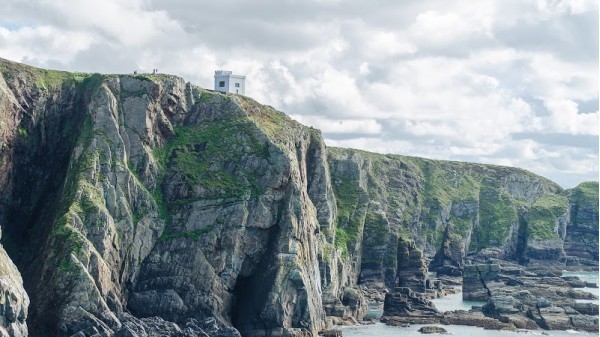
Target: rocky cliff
<point>135,205</point>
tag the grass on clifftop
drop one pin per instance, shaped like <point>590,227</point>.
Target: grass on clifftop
<point>275,124</point>
<point>586,194</point>
<point>42,78</point>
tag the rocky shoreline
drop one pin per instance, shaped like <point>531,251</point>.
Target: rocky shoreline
<point>143,205</point>
<point>515,299</point>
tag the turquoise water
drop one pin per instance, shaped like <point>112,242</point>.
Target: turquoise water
<point>382,330</point>
<point>455,302</point>
<point>587,276</point>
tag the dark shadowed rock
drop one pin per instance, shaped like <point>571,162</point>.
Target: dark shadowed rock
<point>143,205</point>
<point>429,329</point>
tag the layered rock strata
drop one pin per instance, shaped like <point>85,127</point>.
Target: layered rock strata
<point>527,300</point>
<point>476,279</point>
<point>144,205</point>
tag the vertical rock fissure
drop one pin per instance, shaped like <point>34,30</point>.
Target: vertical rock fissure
<point>251,292</point>
<point>521,239</point>
<point>39,175</point>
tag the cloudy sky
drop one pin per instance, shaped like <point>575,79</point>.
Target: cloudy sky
<point>509,82</point>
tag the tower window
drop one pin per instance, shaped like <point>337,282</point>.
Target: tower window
<point>221,84</point>
<point>237,85</point>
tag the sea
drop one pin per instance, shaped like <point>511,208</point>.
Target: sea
<point>455,302</point>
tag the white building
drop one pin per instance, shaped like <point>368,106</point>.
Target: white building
<point>225,81</point>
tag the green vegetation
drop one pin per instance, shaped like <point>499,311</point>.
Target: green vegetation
<point>275,124</point>
<point>497,213</point>
<point>348,224</point>
<point>542,217</point>
<point>68,239</point>
<point>448,181</point>
<point>79,198</point>
<point>43,79</point>
<point>52,79</point>
<point>211,155</point>
<point>22,132</point>
<point>375,225</point>
<point>586,195</point>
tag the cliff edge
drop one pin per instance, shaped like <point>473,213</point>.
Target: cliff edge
<point>135,205</point>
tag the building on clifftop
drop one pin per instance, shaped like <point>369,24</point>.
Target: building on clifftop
<point>225,81</point>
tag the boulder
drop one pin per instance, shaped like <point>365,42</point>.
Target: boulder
<point>407,306</point>
<point>429,329</point>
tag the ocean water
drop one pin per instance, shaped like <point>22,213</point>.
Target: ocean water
<point>455,302</point>
<point>588,276</point>
<point>382,330</point>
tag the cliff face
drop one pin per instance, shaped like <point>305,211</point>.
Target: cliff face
<point>134,205</point>
<point>581,237</point>
<point>450,209</point>
<point>148,196</point>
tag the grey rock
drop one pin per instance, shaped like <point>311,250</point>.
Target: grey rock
<point>429,329</point>
<point>144,205</point>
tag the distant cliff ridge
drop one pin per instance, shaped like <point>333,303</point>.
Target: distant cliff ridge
<point>134,205</point>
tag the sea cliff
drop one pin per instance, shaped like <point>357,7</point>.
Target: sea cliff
<point>139,205</point>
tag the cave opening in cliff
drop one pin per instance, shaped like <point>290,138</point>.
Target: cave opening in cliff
<point>250,297</point>
<point>251,290</point>
<point>242,307</point>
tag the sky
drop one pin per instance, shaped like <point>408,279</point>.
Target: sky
<point>506,82</point>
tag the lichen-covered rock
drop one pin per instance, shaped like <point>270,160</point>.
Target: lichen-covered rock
<point>14,302</point>
<point>138,204</point>
<point>581,241</point>
<point>173,202</point>
<point>412,269</point>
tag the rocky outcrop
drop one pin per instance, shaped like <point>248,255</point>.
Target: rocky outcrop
<point>476,279</point>
<point>14,302</point>
<point>174,203</point>
<point>412,270</point>
<point>527,301</point>
<point>429,329</point>
<point>134,205</point>
<point>581,240</point>
<point>409,303</point>
<point>451,211</point>
<point>475,318</point>
<point>449,259</point>
<point>404,305</point>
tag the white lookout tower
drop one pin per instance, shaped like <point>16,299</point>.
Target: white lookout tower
<point>226,82</point>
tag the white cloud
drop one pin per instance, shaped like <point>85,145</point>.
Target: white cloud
<point>565,118</point>
<point>447,80</point>
<point>566,6</point>
<point>442,28</point>
<point>341,126</point>
<point>42,43</point>
<point>381,44</point>
<point>126,22</point>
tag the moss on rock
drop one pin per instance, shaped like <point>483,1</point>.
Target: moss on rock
<point>542,217</point>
